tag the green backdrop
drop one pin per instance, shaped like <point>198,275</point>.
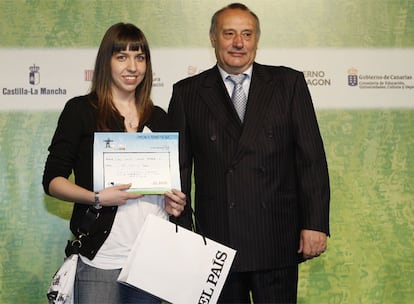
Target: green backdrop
<point>370,152</point>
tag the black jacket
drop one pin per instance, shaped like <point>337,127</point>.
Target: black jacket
<point>71,150</point>
<point>257,184</point>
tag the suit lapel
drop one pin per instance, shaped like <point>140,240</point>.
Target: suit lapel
<point>260,96</point>
<point>219,103</point>
<point>262,88</point>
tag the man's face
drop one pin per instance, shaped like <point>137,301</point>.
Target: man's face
<point>235,40</point>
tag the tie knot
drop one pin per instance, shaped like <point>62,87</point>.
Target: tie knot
<point>237,79</point>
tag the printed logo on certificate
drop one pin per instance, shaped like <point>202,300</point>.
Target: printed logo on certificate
<point>149,161</point>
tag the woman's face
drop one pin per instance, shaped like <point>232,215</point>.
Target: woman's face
<point>128,70</point>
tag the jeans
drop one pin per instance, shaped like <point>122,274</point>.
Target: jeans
<point>94,285</point>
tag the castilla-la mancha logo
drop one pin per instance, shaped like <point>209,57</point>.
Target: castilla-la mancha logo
<point>34,76</point>
<point>352,77</point>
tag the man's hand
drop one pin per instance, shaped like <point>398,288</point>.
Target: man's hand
<point>312,243</point>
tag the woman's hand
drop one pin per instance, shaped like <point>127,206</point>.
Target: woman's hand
<point>175,202</point>
<point>116,195</point>
<point>63,189</point>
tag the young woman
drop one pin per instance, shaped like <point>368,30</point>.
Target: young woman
<point>106,223</point>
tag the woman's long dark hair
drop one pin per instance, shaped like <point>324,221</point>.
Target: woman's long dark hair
<point>120,37</point>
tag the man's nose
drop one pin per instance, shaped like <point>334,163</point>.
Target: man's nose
<point>238,41</point>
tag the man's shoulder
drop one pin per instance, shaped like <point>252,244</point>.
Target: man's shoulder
<point>276,70</point>
<point>197,78</point>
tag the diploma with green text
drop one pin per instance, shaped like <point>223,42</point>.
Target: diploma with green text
<point>149,161</point>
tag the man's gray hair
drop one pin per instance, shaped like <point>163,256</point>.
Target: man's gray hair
<point>236,5</point>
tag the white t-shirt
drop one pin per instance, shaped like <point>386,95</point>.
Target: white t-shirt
<point>128,222</point>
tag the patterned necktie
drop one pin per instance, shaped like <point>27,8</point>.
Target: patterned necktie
<point>238,96</point>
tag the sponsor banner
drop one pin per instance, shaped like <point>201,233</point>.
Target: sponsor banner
<point>43,79</point>
<point>352,78</point>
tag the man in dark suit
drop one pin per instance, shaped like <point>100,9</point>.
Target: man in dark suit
<point>261,177</point>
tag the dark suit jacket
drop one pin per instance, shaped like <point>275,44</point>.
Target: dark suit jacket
<point>257,184</point>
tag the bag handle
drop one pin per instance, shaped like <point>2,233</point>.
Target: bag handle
<point>193,227</point>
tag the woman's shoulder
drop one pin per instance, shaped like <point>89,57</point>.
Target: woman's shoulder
<point>158,120</point>
<point>81,101</point>
<point>79,108</point>
<point>158,111</point>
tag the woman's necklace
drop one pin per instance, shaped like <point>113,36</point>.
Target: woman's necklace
<point>131,120</point>
<point>129,112</point>
<point>132,125</point>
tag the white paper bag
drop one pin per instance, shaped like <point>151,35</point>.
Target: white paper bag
<point>176,265</point>
<point>61,288</point>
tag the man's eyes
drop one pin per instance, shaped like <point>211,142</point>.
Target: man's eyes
<point>244,35</point>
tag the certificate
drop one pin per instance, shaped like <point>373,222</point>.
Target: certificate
<point>149,161</point>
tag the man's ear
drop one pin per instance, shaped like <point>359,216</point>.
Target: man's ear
<point>212,40</point>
